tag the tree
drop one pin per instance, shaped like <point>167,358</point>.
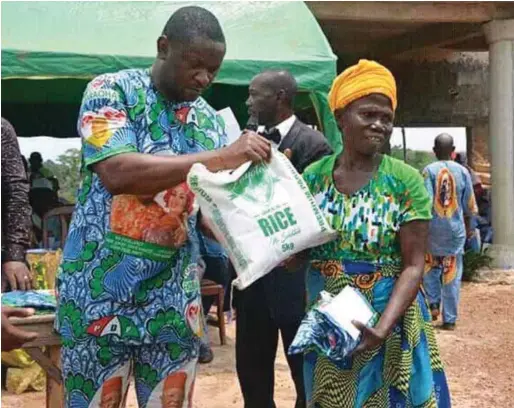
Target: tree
<point>67,171</point>
<point>416,158</point>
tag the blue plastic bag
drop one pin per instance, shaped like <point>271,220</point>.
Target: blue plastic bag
<point>320,333</point>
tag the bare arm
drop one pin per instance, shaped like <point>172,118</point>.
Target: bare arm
<point>413,242</point>
<point>137,173</point>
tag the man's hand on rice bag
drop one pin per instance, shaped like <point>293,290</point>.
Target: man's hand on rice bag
<point>288,153</point>
<point>371,337</point>
<point>294,262</point>
<point>249,147</point>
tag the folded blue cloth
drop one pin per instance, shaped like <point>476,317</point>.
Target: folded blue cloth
<point>41,301</point>
<point>319,333</point>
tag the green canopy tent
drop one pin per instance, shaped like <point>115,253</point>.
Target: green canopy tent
<point>50,50</point>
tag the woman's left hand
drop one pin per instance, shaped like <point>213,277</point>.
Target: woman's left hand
<point>371,337</point>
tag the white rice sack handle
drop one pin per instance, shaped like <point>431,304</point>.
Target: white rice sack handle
<point>219,178</point>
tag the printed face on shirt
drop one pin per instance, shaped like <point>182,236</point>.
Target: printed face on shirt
<point>111,393</point>
<point>161,220</point>
<point>188,69</point>
<point>177,200</point>
<point>445,203</point>
<point>173,398</point>
<point>111,401</point>
<point>174,393</point>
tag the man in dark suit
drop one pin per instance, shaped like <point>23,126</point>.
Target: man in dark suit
<point>276,302</point>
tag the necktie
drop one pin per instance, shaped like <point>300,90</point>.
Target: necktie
<point>272,135</point>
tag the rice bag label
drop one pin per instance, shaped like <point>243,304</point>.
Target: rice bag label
<point>261,213</point>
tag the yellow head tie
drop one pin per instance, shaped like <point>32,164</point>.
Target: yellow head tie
<point>363,79</point>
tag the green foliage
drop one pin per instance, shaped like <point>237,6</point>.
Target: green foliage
<point>474,261</point>
<point>67,170</point>
<point>416,158</point>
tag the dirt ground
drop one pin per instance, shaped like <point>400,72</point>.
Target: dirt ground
<point>479,359</point>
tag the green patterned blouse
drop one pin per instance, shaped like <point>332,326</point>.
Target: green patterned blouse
<point>368,220</point>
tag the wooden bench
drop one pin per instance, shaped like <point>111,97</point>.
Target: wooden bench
<point>49,360</point>
<point>210,288</point>
<point>51,341</point>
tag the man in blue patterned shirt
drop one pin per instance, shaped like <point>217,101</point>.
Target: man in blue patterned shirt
<point>449,184</point>
<point>128,290</point>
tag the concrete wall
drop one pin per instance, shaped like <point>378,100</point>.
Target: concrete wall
<point>449,89</point>
<point>444,88</point>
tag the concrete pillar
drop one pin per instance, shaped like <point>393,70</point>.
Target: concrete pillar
<point>500,37</point>
<point>478,151</point>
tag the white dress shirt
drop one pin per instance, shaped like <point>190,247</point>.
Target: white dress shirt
<point>283,127</point>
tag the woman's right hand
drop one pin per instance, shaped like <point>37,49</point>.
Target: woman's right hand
<point>371,337</point>
<point>249,147</point>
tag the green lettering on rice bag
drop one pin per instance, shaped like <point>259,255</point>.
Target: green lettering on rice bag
<point>261,213</point>
<point>276,222</point>
<point>257,185</point>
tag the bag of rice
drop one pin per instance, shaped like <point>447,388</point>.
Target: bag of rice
<point>261,213</point>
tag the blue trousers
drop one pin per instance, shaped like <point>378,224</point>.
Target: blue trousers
<point>474,243</point>
<point>442,281</point>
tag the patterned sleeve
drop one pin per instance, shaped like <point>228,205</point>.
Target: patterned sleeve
<point>311,175</point>
<point>104,124</point>
<point>416,203</point>
<point>223,137</point>
<point>469,202</point>
<point>16,222</point>
<point>310,181</point>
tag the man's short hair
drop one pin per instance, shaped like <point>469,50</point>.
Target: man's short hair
<point>281,79</point>
<point>35,156</point>
<point>189,23</point>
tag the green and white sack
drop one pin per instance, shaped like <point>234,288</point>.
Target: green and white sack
<point>261,214</point>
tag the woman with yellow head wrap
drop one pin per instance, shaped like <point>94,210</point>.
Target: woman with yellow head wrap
<point>381,209</point>
<point>363,79</point>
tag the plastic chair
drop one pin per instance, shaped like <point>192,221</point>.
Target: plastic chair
<point>64,213</point>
